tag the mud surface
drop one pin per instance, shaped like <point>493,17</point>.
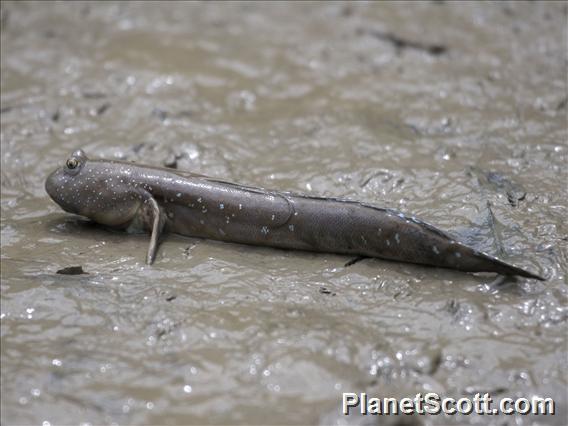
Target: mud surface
<point>453,112</point>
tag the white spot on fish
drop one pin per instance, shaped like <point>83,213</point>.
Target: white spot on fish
<point>199,200</point>
<point>401,215</point>
<point>202,221</point>
<point>178,194</point>
<point>435,250</point>
<point>204,210</point>
<point>272,218</point>
<point>388,243</point>
<point>291,228</point>
<point>264,230</point>
<point>240,206</point>
<point>397,238</point>
<point>458,254</point>
<point>221,206</point>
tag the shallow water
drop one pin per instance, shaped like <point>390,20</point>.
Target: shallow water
<point>466,129</point>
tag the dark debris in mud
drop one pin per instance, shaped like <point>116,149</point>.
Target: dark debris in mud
<point>164,328</point>
<point>102,109</point>
<point>325,290</point>
<point>452,306</point>
<point>401,43</point>
<point>499,183</point>
<point>515,197</point>
<point>168,297</point>
<point>72,270</point>
<point>172,161</point>
<point>187,250</point>
<point>514,191</point>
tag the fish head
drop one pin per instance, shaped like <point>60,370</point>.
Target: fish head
<point>93,188</point>
<point>64,184</point>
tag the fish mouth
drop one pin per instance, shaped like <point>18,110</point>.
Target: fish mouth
<point>52,184</point>
<point>55,187</point>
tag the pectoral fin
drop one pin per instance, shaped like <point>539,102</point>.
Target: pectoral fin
<point>158,221</point>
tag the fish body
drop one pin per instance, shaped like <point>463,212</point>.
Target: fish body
<point>143,198</point>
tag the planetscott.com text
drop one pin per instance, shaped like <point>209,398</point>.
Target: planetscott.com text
<point>432,403</point>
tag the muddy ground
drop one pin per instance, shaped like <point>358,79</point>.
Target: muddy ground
<point>455,112</point>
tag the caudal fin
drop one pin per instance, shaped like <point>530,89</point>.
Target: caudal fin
<point>506,269</point>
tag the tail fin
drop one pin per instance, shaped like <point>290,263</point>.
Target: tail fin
<point>506,269</point>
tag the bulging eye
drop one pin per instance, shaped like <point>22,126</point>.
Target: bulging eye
<point>72,163</point>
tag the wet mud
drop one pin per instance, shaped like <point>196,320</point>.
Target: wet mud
<point>454,112</point>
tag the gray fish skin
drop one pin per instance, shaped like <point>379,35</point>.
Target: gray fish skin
<point>143,198</point>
